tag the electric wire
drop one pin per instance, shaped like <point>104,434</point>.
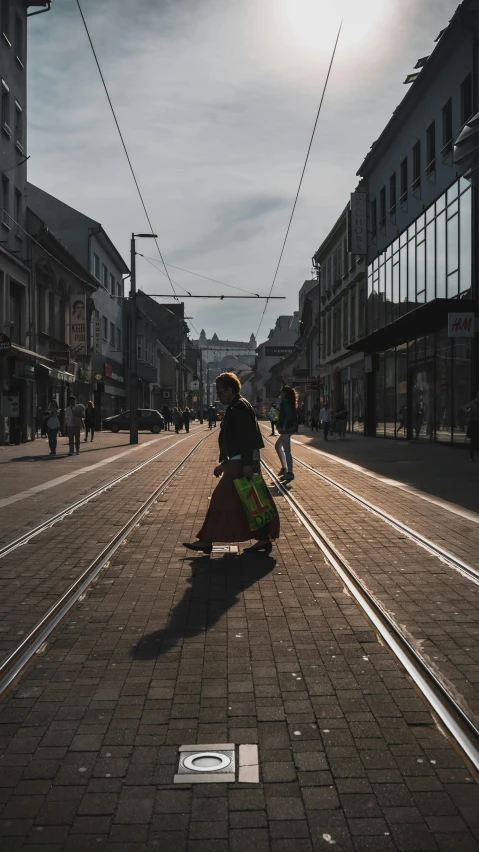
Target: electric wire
<point>206,277</point>
<point>124,145</point>
<point>301,178</point>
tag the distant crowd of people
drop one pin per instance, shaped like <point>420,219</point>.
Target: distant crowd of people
<point>77,418</point>
<point>317,418</point>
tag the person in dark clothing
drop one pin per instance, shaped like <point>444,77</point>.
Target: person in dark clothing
<point>240,442</point>
<point>186,419</point>
<point>211,416</point>
<point>287,426</point>
<point>52,425</point>
<point>473,426</point>
<point>167,417</point>
<point>89,420</point>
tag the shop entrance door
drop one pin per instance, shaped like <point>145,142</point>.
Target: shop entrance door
<point>421,402</point>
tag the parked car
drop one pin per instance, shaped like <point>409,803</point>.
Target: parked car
<point>148,419</point>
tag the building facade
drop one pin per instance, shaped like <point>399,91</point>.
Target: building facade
<point>280,342</point>
<point>18,359</point>
<point>421,264</point>
<point>342,286</point>
<point>86,239</point>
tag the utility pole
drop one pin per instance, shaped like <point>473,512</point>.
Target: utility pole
<point>133,346</point>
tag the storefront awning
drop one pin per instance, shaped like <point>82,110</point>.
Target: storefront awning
<point>58,375</point>
<point>423,320</point>
<point>17,351</point>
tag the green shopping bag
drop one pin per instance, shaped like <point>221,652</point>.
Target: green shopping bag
<point>256,501</point>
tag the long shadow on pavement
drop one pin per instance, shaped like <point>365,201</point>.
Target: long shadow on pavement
<point>216,585</point>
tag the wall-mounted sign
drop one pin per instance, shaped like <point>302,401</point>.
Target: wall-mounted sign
<point>108,371</point>
<point>78,324</point>
<point>277,351</point>
<point>5,343</point>
<point>358,224</point>
<point>195,385</point>
<point>460,325</point>
<point>10,404</point>
<point>97,377</point>
<point>96,337</point>
<point>58,357</point>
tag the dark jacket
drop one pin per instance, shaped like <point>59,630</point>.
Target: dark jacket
<point>239,433</point>
<point>288,416</point>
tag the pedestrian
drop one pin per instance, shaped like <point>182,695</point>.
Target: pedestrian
<point>341,421</point>
<point>326,416</point>
<point>167,417</point>
<point>74,415</point>
<point>177,420</point>
<point>52,425</point>
<point>211,416</point>
<point>473,426</point>
<point>89,420</point>
<point>402,417</point>
<point>240,442</point>
<point>287,426</point>
<point>186,419</point>
<point>273,416</point>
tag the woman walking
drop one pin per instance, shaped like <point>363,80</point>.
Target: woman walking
<point>52,425</point>
<point>89,420</point>
<point>240,442</point>
<point>287,426</point>
<point>186,419</point>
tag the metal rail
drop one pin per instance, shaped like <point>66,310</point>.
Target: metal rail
<point>16,661</point>
<point>444,705</point>
<point>435,549</point>
<point>25,537</point>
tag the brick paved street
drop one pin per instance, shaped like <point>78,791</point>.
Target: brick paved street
<point>167,649</point>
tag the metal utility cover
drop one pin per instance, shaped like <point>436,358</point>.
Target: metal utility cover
<point>205,757</point>
<point>221,549</point>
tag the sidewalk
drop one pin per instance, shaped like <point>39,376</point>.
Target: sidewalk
<point>167,649</point>
<point>436,469</point>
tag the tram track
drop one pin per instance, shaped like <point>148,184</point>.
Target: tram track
<point>422,541</point>
<point>442,702</point>
<point>17,660</point>
<point>23,539</point>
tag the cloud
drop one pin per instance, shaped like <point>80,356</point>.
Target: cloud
<point>216,101</point>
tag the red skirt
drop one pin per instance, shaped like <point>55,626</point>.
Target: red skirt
<point>226,519</point>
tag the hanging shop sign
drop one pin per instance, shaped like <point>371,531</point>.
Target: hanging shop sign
<point>78,324</point>
<point>277,351</point>
<point>460,325</point>
<point>195,385</point>
<point>97,337</point>
<point>59,358</point>
<point>357,223</point>
<point>108,371</point>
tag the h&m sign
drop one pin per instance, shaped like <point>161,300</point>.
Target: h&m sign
<point>460,324</point>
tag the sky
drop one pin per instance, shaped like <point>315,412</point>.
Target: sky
<point>216,100</point>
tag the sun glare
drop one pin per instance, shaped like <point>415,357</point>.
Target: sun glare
<point>314,23</point>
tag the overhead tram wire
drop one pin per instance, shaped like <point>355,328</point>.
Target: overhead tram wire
<point>206,277</point>
<point>301,179</point>
<point>123,143</point>
<point>203,296</point>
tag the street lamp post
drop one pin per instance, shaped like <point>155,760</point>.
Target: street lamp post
<point>133,346</point>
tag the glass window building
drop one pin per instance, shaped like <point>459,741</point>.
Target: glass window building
<point>421,377</point>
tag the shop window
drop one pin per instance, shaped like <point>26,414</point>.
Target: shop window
<point>461,386</point>
<point>104,276</point>
<point>465,243</point>
<point>380,417</point>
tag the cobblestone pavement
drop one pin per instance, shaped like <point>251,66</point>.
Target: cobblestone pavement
<point>29,466</point>
<point>435,605</point>
<point>34,576</point>
<point>458,535</point>
<point>167,649</point>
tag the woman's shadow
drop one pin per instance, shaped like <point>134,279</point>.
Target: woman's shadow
<point>215,586</point>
